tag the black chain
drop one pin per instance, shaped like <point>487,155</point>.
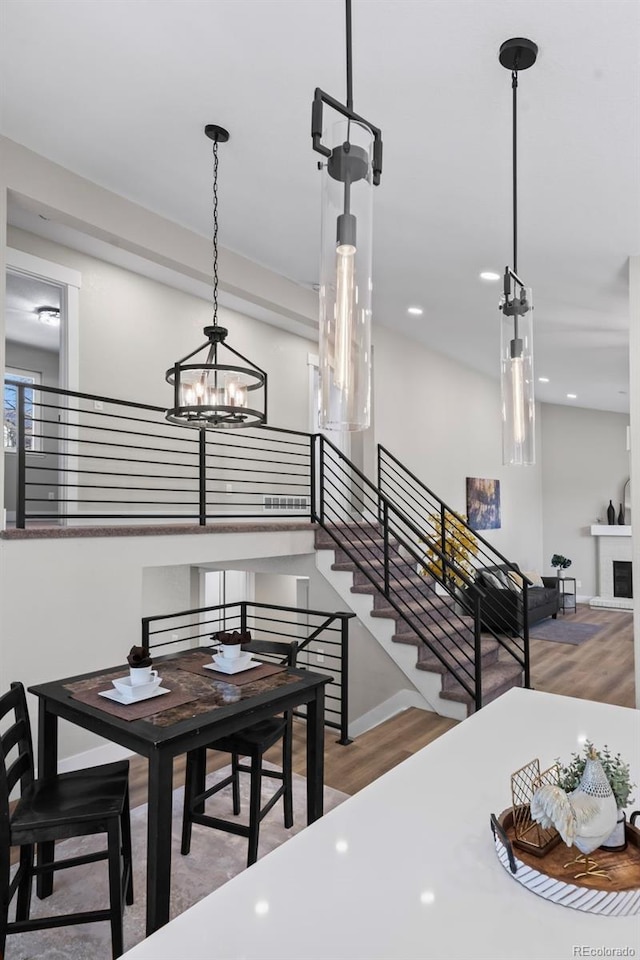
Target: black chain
<point>215,233</point>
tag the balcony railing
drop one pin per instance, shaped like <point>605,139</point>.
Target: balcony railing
<point>81,458</point>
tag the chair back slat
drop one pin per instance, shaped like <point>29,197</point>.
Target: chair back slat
<point>16,737</point>
<point>288,652</point>
<point>21,767</point>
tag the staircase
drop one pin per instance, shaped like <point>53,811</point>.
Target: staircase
<point>429,627</point>
<point>418,607</point>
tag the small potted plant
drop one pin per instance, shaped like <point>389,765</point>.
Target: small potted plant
<point>619,777</point>
<point>557,560</point>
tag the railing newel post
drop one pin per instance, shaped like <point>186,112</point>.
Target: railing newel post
<point>22,461</point>
<point>202,476</point>
<point>477,642</point>
<point>344,672</point>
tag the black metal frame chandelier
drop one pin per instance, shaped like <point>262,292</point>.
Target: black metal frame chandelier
<point>353,167</point>
<point>516,304</point>
<point>217,392</point>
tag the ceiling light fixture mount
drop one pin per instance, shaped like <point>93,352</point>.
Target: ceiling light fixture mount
<point>353,166</point>
<point>516,304</point>
<point>214,391</point>
<point>49,315</point>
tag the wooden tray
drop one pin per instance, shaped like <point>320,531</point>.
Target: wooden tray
<point>548,877</point>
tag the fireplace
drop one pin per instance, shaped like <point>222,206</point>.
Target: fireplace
<point>622,579</point>
<point>614,556</point>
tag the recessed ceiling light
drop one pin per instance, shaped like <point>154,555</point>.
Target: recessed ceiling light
<point>543,379</point>
<point>49,315</point>
<point>416,311</point>
<point>489,275</point>
<point>262,908</point>
<point>572,396</point>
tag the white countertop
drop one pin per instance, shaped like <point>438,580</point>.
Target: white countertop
<point>407,869</point>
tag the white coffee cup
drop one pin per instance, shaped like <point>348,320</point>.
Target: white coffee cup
<point>142,675</point>
<point>230,651</point>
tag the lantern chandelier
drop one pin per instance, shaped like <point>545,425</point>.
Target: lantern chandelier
<point>353,167</point>
<point>516,305</point>
<point>216,391</point>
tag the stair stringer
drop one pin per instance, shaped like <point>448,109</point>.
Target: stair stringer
<point>426,682</point>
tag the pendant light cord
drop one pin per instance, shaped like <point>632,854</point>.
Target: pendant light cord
<point>215,233</point>
<point>514,87</point>
<point>349,65</point>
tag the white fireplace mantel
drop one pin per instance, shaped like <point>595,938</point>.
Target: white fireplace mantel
<point>611,548</point>
<point>604,530</point>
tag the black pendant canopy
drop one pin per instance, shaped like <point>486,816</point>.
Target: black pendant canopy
<point>221,389</point>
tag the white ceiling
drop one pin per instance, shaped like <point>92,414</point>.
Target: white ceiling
<point>119,92</point>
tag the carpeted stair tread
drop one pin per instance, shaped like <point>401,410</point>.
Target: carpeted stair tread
<point>496,680</point>
<point>449,629</point>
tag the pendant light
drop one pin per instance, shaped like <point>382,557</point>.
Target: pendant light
<point>516,305</point>
<point>353,148</point>
<point>216,391</point>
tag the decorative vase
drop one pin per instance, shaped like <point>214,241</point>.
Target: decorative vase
<point>618,838</point>
<point>621,516</point>
<point>611,514</point>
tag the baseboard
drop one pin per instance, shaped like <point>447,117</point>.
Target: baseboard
<point>106,753</point>
<point>384,711</point>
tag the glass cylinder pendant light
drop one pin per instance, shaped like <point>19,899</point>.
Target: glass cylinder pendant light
<point>353,148</point>
<point>217,390</point>
<point>516,306</point>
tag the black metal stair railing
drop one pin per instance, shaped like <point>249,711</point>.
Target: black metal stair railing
<point>505,611</point>
<point>81,457</point>
<point>186,629</point>
<point>388,549</point>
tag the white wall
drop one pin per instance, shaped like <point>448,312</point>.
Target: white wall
<point>74,605</point>
<point>132,329</point>
<point>634,397</point>
<point>443,421</point>
<point>585,464</point>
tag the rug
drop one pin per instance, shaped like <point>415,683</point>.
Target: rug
<point>215,858</point>
<point>562,632</point>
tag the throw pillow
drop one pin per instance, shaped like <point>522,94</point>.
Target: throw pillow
<point>504,579</point>
<point>516,579</point>
<point>534,576</point>
<point>491,580</point>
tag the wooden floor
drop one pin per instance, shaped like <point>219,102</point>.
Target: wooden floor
<point>599,669</point>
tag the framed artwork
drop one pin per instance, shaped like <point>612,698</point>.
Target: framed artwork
<point>483,504</point>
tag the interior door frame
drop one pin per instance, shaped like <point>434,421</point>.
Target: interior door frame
<point>69,281</point>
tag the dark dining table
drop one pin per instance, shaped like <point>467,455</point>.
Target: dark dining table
<point>211,709</point>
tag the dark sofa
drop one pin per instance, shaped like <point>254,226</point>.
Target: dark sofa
<point>502,603</point>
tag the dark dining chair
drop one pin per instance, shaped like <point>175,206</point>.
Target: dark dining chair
<point>252,742</point>
<point>77,804</point>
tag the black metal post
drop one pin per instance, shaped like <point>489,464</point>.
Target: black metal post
<point>379,483</point>
<point>477,643</point>
<point>202,476</point>
<point>344,682</point>
<point>312,478</point>
<point>145,632</point>
<point>525,635</point>
<point>321,480</point>
<point>443,538</point>
<point>22,461</point>
<point>243,616</point>
<point>385,534</point>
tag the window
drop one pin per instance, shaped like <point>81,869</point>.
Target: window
<point>32,438</point>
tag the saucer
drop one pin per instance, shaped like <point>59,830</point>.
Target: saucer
<point>233,666</point>
<point>135,691</point>
<point>125,699</point>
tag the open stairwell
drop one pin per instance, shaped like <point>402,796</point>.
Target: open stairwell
<point>429,635</point>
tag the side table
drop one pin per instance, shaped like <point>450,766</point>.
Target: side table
<point>567,588</point>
